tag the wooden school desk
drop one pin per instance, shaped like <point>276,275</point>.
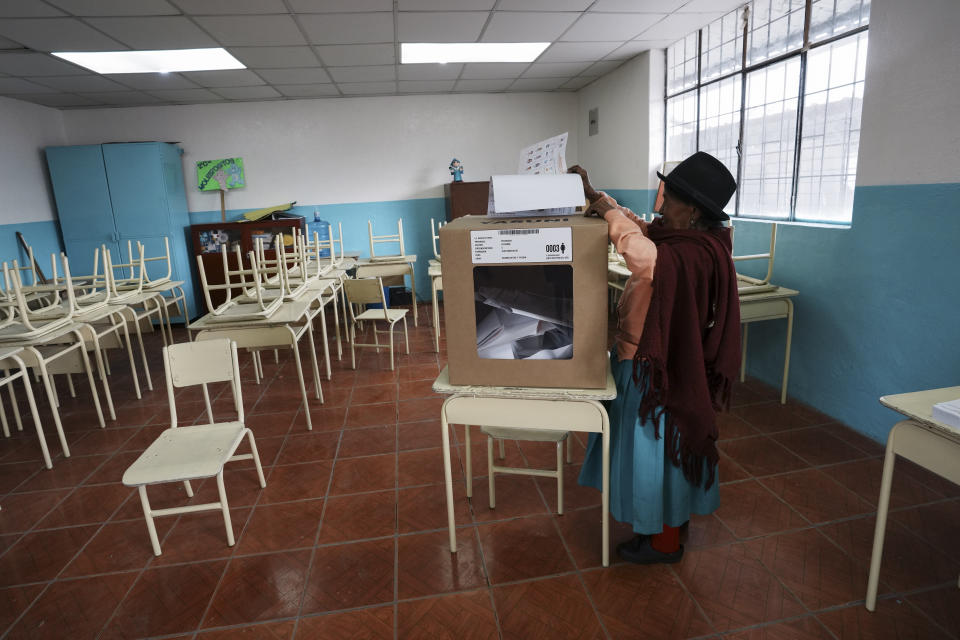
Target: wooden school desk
<point>525,408</point>
<point>921,439</point>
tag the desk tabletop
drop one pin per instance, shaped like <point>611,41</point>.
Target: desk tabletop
<point>288,313</point>
<point>777,293</point>
<point>918,406</point>
<point>386,260</point>
<point>442,385</point>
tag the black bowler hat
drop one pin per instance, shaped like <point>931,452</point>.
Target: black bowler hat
<point>705,180</point>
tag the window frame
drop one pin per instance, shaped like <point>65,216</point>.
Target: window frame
<point>743,72</point>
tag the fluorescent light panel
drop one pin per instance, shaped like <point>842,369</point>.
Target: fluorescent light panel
<point>425,52</point>
<point>169,61</point>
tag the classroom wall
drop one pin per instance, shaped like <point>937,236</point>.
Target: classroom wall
<point>878,305</point>
<point>350,159</point>
<point>26,202</point>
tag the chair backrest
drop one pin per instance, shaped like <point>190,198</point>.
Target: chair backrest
<point>394,238</point>
<point>365,291</point>
<point>337,241</point>
<point>207,360</point>
<point>768,256</point>
<point>136,258</point>
<point>435,235</point>
<point>133,284</point>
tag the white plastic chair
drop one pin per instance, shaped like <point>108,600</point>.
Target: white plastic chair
<point>365,291</point>
<point>396,238</point>
<point>261,305</point>
<point>182,454</point>
<point>435,236</point>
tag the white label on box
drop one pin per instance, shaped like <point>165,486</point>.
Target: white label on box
<point>499,246</point>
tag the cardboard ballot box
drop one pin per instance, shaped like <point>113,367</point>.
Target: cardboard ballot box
<point>525,301</point>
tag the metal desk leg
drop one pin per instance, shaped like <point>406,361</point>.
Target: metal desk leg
<point>880,529</point>
<point>605,489</point>
<point>743,352</point>
<point>786,353</point>
<point>448,476</point>
<point>436,314</point>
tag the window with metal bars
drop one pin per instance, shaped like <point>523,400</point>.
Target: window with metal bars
<point>774,89</point>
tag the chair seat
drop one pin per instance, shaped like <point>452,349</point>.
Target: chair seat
<point>377,314</point>
<point>535,435</point>
<point>186,453</point>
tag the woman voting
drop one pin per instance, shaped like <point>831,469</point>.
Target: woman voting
<point>676,353</point>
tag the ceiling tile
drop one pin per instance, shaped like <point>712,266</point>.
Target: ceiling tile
<point>57,34</point>
<point>247,93</point>
<point>367,88</point>
<point>611,26</point>
<point>482,85</point>
<point>9,44</point>
<point>555,69</point>
<point>652,44</point>
<point>348,28</point>
<point>165,32</point>
<point>13,86</point>
<point>86,8</point>
<point>425,86</point>
<point>225,78</point>
<point>577,51</point>
<point>445,5</point>
<point>429,71</point>
<point>187,95</point>
<point>152,81</point>
<point>346,55</point>
<point>27,9</point>
<point>58,100</point>
<point>122,98</point>
<point>295,76</point>
<point>239,31</point>
<point>543,5</point>
<point>231,7</point>
<point>364,74</point>
<point>527,26</point>
<point>81,84</point>
<point>36,64</point>
<point>307,90</point>
<point>453,26</point>
<point>486,70</point>
<point>274,57</point>
<point>677,25</point>
<point>629,50</point>
<point>335,6</point>
<point>578,83</point>
<point>641,6</point>
<point>537,84</point>
<point>602,68</point>
<point>707,6</point>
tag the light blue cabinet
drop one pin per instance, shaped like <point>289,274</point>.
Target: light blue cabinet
<point>109,194</point>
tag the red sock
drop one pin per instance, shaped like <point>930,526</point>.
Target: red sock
<point>668,541</point>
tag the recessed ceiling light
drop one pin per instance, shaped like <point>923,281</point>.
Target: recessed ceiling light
<point>424,52</point>
<point>172,60</point>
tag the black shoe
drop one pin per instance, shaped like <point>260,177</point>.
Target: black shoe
<point>644,553</point>
<point>633,544</point>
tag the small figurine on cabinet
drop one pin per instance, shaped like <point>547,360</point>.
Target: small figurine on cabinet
<point>456,170</point>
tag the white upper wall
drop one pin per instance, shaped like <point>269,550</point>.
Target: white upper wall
<point>911,101</point>
<point>342,150</point>
<point>25,129</point>
<point>618,156</point>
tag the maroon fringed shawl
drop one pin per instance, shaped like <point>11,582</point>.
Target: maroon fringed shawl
<point>689,352</point>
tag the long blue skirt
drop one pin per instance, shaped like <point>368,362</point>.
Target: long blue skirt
<point>646,490</point>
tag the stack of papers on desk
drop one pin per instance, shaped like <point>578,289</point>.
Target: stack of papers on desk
<point>522,326</point>
<point>948,413</point>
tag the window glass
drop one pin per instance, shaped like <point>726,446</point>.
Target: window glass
<point>723,46</point>
<point>834,17</point>
<point>682,64</point>
<point>681,126</point>
<point>776,27</point>
<point>720,122</point>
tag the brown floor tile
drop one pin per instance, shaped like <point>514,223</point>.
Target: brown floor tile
<point>731,427</point>
<point>367,515</point>
<point>423,371</point>
<point>371,415</point>
<point>812,567</point>
<point>942,606</point>
<point>350,575</point>
<point>817,446</point>
<point>808,628</point>
<point>761,456</point>
<point>374,394</point>
<point>78,608</point>
<point>893,620</point>
<point>752,392</point>
<point>412,389</point>
<point>42,555</point>
<point>426,567</point>
<point>516,496</point>
<point>257,588</point>
<point>14,474</point>
<point>705,531</point>
<point>14,601</point>
<point>368,441</point>
<point>770,417</point>
<point>266,631</point>
<point>420,409</point>
<point>644,602</point>
<point>295,482</point>
<point>200,536</point>
<point>280,527</point>
<point>462,616</point>
<point>67,472</point>
<point>575,496</point>
<point>868,445</point>
<point>750,509</point>
<point>272,424</point>
<point>523,548</point>
<point>730,471</point>
<point>935,523</point>
<point>373,473</point>
<point>166,600</point>
<point>368,624</point>
<point>323,418</point>
<point>21,511</point>
<point>424,466</point>
<point>120,546</point>
<point>371,376</point>
<point>102,441</point>
<point>734,589</point>
<point>309,447</point>
<point>548,608</point>
<point>86,505</point>
<point>424,508</point>
<point>814,495</point>
<point>420,435</point>
<point>478,449</point>
<point>863,478</point>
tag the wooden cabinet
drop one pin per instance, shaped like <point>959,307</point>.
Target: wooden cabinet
<point>466,198</point>
<point>112,194</point>
<point>208,239</point>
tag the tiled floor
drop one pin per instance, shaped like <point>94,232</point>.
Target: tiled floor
<point>348,538</point>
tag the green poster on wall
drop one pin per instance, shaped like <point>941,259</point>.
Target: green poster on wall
<point>220,175</point>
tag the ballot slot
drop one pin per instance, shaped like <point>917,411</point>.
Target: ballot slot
<point>524,312</point>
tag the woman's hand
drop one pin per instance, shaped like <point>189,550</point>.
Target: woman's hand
<point>600,206</point>
<point>588,189</point>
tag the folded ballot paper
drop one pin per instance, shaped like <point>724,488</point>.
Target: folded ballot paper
<point>535,195</point>
<point>948,413</point>
<point>523,326</point>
